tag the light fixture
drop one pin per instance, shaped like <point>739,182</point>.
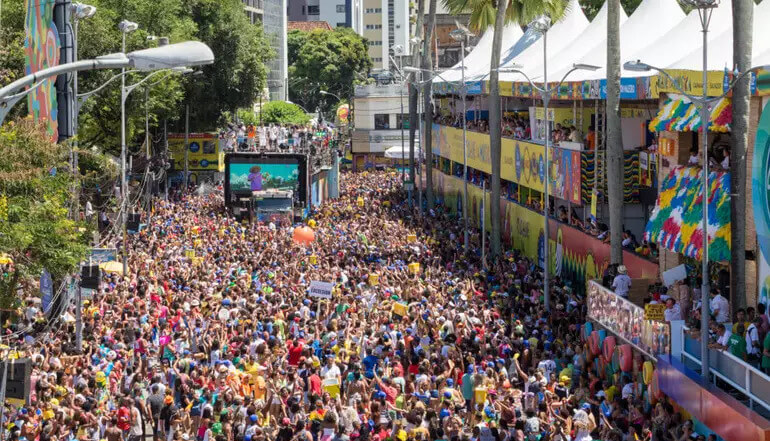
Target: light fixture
<point>581,66</point>
<point>415,40</point>
<point>82,11</point>
<point>458,35</point>
<point>126,26</point>
<point>398,49</point>
<point>510,68</point>
<point>701,4</point>
<point>188,53</point>
<point>541,24</point>
<point>637,66</point>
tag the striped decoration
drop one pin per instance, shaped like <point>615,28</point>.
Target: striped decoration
<point>676,223</point>
<point>630,173</point>
<point>679,114</point>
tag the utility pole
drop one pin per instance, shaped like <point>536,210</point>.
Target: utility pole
<point>186,145</point>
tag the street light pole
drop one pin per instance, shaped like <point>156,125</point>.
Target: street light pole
<point>545,94</point>
<point>125,27</point>
<point>460,34</point>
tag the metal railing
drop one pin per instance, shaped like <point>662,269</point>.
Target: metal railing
<point>739,374</point>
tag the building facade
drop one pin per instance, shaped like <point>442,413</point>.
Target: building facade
<point>275,24</point>
<point>254,9</point>
<point>338,13</point>
<point>378,120</point>
<point>386,25</point>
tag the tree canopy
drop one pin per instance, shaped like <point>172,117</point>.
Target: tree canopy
<point>35,231</point>
<point>236,78</point>
<point>325,60</point>
<point>280,112</point>
<point>518,11</point>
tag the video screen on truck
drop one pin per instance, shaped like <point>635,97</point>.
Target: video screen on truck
<point>257,176</point>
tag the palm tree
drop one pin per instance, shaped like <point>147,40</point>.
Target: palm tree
<point>614,136</point>
<point>743,11</point>
<point>497,13</point>
<point>413,91</point>
<point>427,64</point>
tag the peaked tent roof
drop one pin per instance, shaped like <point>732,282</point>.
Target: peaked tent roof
<point>650,20</point>
<point>680,40</point>
<point>578,46</point>
<point>561,36</point>
<point>480,56</point>
<point>720,43</point>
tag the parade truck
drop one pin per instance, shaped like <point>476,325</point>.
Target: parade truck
<point>267,187</point>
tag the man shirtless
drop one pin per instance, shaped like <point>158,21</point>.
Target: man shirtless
<point>113,432</point>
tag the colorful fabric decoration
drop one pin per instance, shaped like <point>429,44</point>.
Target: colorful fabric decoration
<point>679,114</point>
<point>676,223</point>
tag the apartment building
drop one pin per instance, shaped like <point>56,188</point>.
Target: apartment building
<point>338,13</point>
<point>386,25</point>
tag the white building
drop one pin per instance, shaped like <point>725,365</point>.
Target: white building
<point>378,119</point>
<point>386,25</point>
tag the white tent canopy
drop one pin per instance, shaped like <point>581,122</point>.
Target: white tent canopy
<point>657,33</point>
<point>578,46</point>
<point>561,37</point>
<point>720,45</point>
<point>651,19</point>
<point>396,152</point>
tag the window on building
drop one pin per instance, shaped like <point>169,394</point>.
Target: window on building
<point>303,10</point>
<point>403,121</point>
<point>313,10</point>
<point>341,8</point>
<point>342,25</point>
<point>373,26</point>
<point>374,10</point>
<point>381,121</point>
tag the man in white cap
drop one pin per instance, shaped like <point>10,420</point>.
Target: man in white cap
<point>622,283</point>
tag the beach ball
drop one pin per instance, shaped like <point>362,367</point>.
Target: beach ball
<point>303,235</point>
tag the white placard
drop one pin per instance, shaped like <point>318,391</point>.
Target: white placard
<point>321,290</point>
<point>673,275</point>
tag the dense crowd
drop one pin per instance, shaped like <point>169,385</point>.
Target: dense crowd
<point>213,335</point>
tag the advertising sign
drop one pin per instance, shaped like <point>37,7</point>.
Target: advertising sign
<point>321,290</point>
<point>628,321</point>
<point>522,162</point>
<point>575,255</point>
<point>760,192</point>
<point>204,152</point>
<point>42,47</point>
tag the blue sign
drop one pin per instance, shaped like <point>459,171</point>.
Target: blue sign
<point>194,147</point>
<point>473,88</point>
<point>627,89</point>
<point>204,163</point>
<point>46,289</point>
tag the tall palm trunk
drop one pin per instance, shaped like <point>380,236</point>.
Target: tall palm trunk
<point>427,63</point>
<point>614,136</point>
<point>413,90</point>
<point>495,127</point>
<point>743,12</point>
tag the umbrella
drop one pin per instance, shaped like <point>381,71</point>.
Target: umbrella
<point>112,267</point>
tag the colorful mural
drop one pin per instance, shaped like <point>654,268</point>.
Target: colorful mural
<point>679,114</point>
<point>760,192</point>
<point>41,51</point>
<point>676,223</point>
<point>575,256</point>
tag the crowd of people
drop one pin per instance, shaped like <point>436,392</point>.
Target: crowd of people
<point>213,335</point>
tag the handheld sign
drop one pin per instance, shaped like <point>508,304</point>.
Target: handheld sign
<point>654,312</point>
<point>374,279</point>
<point>321,290</point>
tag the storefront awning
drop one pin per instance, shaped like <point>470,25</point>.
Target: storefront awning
<point>676,223</point>
<point>679,114</point>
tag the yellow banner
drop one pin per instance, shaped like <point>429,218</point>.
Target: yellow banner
<point>690,81</point>
<point>522,162</point>
<point>204,152</point>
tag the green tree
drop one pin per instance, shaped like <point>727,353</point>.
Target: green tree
<point>35,231</point>
<point>280,112</point>
<point>238,75</point>
<point>325,60</point>
<point>592,7</point>
<point>486,13</point>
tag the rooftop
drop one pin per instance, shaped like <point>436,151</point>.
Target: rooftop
<point>308,26</point>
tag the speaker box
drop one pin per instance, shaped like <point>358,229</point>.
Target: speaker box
<point>89,277</point>
<point>18,382</point>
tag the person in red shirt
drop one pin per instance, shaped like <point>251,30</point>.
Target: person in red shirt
<point>315,383</point>
<point>295,352</point>
<point>124,418</point>
<point>390,392</point>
